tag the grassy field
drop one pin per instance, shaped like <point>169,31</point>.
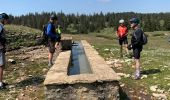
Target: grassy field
<point>154,59</point>
<point>27,75</point>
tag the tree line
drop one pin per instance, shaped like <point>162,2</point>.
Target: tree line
<point>83,23</point>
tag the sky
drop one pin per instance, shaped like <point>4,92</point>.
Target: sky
<point>22,7</point>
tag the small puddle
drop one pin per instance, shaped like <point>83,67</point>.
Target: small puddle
<point>79,63</point>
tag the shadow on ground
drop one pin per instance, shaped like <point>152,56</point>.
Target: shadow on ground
<point>31,81</point>
<point>151,71</point>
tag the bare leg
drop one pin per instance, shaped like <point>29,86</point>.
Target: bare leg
<point>1,73</point>
<point>121,51</point>
<point>126,49</point>
<point>50,58</point>
<point>137,67</point>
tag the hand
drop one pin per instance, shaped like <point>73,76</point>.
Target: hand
<point>129,47</point>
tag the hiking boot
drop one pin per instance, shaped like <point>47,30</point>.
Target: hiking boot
<point>5,84</point>
<point>137,77</point>
<point>2,87</point>
<point>50,64</point>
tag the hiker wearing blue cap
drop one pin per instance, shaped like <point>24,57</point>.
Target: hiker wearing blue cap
<point>3,20</point>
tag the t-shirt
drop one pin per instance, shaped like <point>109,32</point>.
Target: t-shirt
<point>122,31</point>
<point>1,34</point>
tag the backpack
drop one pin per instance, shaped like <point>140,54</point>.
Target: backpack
<point>144,39</point>
<point>44,35</point>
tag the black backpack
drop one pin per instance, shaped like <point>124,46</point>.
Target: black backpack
<point>44,35</point>
<point>144,39</point>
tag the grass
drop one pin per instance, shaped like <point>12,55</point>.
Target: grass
<point>154,58</point>
<point>155,63</point>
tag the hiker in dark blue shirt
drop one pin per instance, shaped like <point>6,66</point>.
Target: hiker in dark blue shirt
<point>52,38</point>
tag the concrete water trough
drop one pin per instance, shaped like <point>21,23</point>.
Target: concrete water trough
<point>94,80</point>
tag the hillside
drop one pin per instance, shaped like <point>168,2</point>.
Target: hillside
<point>21,36</point>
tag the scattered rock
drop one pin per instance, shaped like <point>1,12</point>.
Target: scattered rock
<point>144,76</point>
<point>12,61</point>
<point>109,62</point>
<point>117,65</point>
<point>106,49</point>
<point>11,86</point>
<point>160,96</point>
<point>160,91</point>
<point>154,88</point>
<point>154,77</point>
<point>29,75</point>
<point>122,85</point>
<point>127,75</point>
<point>44,69</point>
<point>121,74</point>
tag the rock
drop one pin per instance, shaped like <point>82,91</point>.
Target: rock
<point>106,49</point>
<point>154,77</point>
<point>11,86</point>
<point>29,75</point>
<point>122,85</point>
<point>160,91</point>
<point>12,61</point>
<point>117,65</point>
<point>109,62</point>
<point>121,74</point>
<point>161,96</point>
<point>44,69</point>
<point>127,75</point>
<point>144,76</point>
<point>154,88</point>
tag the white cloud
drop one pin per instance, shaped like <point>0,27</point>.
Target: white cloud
<point>104,0</point>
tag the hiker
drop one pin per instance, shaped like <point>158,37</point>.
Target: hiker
<point>122,32</point>
<point>58,31</point>
<point>3,20</point>
<point>52,38</point>
<point>136,45</point>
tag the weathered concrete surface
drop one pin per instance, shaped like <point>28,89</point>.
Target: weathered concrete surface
<point>83,91</point>
<point>101,84</point>
<point>66,43</point>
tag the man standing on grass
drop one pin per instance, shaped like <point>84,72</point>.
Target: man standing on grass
<point>3,20</point>
<point>122,32</point>
<point>136,45</point>
<point>52,38</point>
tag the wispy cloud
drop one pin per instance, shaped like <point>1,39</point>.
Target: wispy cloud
<point>105,1</point>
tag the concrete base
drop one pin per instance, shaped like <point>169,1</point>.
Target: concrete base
<point>66,43</point>
<point>101,84</point>
<point>80,91</point>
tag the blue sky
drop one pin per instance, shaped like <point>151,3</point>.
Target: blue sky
<point>19,7</point>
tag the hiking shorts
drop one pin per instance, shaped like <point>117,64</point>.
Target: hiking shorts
<point>51,45</point>
<point>59,39</point>
<point>136,52</point>
<point>2,58</point>
<point>123,40</point>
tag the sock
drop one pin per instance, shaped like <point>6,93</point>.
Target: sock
<point>1,83</point>
<point>137,73</point>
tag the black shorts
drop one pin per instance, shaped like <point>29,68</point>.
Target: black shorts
<point>59,39</point>
<point>51,45</point>
<point>136,52</point>
<point>123,40</point>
